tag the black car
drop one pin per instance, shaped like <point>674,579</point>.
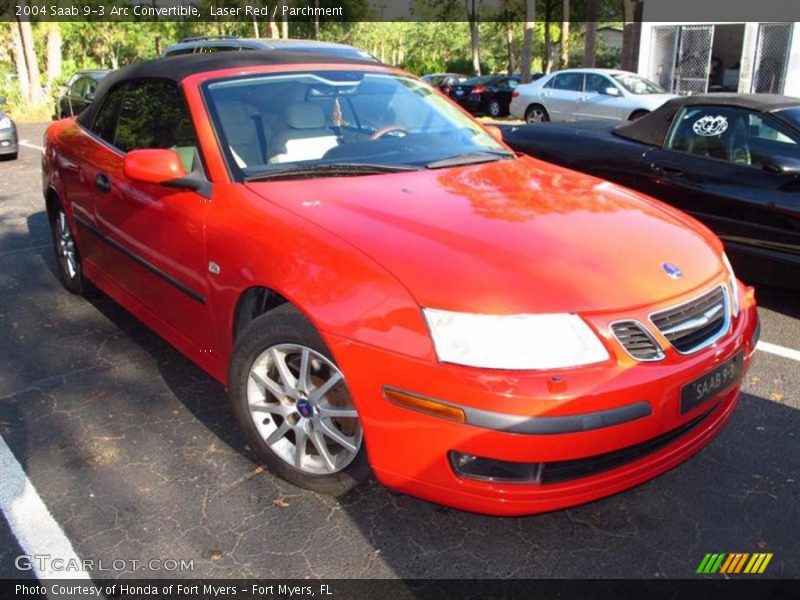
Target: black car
<point>730,160</point>
<point>78,93</point>
<point>486,95</point>
<point>9,142</point>
<point>444,81</point>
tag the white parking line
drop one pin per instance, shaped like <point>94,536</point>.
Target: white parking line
<point>779,350</point>
<point>27,145</point>
<point>34,527</point>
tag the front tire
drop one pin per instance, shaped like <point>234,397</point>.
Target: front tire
<point>292,403</point>
<point>536,113</point>
<point>66,252</point>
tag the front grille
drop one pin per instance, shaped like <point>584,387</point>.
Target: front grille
<point>695,324</point>
<point>566,470</point>
<point>637,341</point>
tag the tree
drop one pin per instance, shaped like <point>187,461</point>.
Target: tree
<point>19,62</point>
<point>590,48</point>
<point>53,52</point>
<point>527,40</point>
<point>31,63</point>
<point>284,21</point>
<point>631,34</point>
<point>473,16</point>
<point>564,34</point>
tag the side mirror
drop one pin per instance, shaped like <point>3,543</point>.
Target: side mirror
<point>783,165</point>
<point>164,167</point>
<point>494,131</point>
<point>611,91</point>
<point>153,166</point>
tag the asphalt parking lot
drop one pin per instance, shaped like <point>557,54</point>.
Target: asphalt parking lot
<point>132,450</point>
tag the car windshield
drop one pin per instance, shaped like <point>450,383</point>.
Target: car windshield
<point>296,121</point>
<point>637,85</point>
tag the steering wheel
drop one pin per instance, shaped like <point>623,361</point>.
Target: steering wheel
<point>383,131</point>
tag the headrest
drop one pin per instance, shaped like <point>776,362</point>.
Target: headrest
<point>234,113</point>
<point>302,115</point>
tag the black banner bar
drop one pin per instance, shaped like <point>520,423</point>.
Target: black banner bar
<point>398,589</point>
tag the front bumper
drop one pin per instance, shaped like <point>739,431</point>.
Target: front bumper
<point>9,143</point>
<point>409,451</point>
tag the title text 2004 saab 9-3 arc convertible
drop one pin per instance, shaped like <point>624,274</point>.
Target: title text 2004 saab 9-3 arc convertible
<point>384,287</point>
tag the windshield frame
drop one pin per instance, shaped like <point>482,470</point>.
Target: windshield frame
<point>237,174</point>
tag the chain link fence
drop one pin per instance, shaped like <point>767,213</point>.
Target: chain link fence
<point>771,57</point>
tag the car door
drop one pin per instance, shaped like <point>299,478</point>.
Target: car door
<point>560,95</point>
<point>74,95</point>
<point>152,236</point>
<point>596,103</point>
<point>717,164</point>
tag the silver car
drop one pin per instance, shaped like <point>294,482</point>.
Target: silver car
<point>576,94</point>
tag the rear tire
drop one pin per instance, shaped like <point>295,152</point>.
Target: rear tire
<point>65,248</point>
<point>493,109</point>
<point>536,113</point>
<point>278,363</point>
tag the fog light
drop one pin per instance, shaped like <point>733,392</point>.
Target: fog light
<point>489,469</point>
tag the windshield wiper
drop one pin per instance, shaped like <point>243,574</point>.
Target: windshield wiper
<point>330,169</point>
<point>470,158</point>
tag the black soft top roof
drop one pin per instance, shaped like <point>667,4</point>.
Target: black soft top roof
<point>178,68</point>
<point>652,128</point>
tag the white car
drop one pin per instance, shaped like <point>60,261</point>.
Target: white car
<point>575,94</point>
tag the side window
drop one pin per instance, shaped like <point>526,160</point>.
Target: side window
<point>734,135</point>
<point>153,114</point>
<point>106,119</point>
<point>78,88</point>
<point>596,83</point>
<point>568,81</point>
<point>91,87</point>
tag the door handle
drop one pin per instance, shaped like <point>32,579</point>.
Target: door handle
<point>666,169</point>
<point>102,183</point>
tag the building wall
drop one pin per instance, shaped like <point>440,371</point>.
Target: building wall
<point>792,82</point>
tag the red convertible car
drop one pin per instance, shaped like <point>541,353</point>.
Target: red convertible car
<point>385,288</point>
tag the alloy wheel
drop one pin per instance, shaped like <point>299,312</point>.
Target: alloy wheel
<point>536,115</point>
<point>66,246</point>
<point>302,409</point>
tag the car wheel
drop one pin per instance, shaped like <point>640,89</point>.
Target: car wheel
<point>637,114</point>
<point>67,256</point>
<point>536,113</point>
<point>292,402</point>
<point>493,109</point>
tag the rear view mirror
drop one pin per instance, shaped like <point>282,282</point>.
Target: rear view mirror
<point>153,166</point>
<point>782,165</point>
<point>611,91</point>
<point>163,167</point>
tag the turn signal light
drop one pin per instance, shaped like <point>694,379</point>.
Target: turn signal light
<point>425,405</point>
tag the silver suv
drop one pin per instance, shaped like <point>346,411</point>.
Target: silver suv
<point>223,43</point>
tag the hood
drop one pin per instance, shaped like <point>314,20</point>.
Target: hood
<point>514,236</point>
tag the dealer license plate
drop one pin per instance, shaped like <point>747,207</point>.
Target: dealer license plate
<point>712,383</point>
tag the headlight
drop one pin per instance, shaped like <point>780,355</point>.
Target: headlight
<point>513,341</point>
<point>5,123</point>
<point>733,284</point>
